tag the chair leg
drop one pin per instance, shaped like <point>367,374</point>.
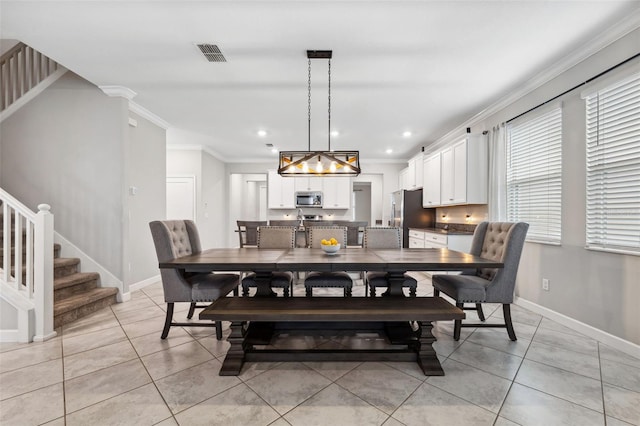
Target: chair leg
<point>480,311</point>
<point>167,321</point>
<point>372,291</point>
<point>219,330</point>
<point>506,310</point>
<point>436,292</point>
<point>245,291</point>
<point>236,293</point>
<point>285,291</point>
<point>457,325</point>
<point>412,291</point>
<point>192,308</point>
<point>347,292</point>
<point>308,291</point>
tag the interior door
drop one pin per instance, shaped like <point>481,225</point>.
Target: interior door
<point>181,197</point>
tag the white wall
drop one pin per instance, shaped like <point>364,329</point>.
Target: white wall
<point>65,148</point>
<point>146,172</point>
<point>596,288</point>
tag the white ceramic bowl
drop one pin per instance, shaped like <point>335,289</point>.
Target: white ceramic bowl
<point>329,249</point>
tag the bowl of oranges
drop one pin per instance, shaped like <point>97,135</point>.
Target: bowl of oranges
<point>330,246</point>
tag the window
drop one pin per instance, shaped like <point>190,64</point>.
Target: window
<point>613,167</point>
<point>534,175</point>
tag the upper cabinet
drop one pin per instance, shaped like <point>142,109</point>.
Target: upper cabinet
<point>308,183</point>
<point>463,171</point>
<point>411,177</point>
<point>431,181</point>
<point>336,192</point>
<point>280,191</point>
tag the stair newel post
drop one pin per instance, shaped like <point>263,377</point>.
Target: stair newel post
<point>43,274</point>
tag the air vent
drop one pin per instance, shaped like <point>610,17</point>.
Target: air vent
<point>212,53</point>
<point>269,145</point>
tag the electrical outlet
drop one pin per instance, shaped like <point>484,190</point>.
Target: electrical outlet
<point>545,284</point>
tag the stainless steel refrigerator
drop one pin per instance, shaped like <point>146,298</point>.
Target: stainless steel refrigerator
<point>407,212</point>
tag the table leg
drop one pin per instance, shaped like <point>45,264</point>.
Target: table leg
<point>427,357</point>
<point>235,356</point>
<point>395,279</point>
<point>263,284</point>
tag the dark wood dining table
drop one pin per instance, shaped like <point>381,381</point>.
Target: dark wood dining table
<point>266,261</point>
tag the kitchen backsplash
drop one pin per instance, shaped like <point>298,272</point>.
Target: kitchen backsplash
<point>461,218</point>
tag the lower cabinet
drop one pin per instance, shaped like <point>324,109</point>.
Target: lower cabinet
<point>419,238</point>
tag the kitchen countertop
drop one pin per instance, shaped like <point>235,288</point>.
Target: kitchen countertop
<point>444,231</point>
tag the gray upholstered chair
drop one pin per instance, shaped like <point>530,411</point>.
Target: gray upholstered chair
<point>353,231</point>
<point>177,238</point>
<point>384,238</point>
<point>328,279</point>
<point>274,237</point>
<point>502,241</point>
<point>248,232</point>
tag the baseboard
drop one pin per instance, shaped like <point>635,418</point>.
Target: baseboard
<point>9,336</point>
<point>144,283</point>
<point>51,335</point>
<point>595,333</point>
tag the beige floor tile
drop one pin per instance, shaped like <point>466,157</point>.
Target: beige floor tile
<point>142,328</point>
<point>141,406</point>
<point>177,358</point>
<point>548,324</point>
<point>432,406</point>
<point>99,320</point>
<point>483,389</point>
<point>380,385</point>
<point>332,370</point>
<point>168,422</point>
<point>96,359</point>
<point>33,353</point>
<point>103,384</point>
<point>218,348</point>
<point>287,385</point>
<point>57,422</point>
<point>31,378</point>
<point>575,362</point>
<point>499,339</point>
<point>622,404</point>
<point>335,406</point>
<point>607,352</point>
<point>611,421</point>
<point>567,341</point>
<point>135,315</point>
<point>527,406</point>
<point>487,359</point>
<point>37,407</point>
<point>248,409</point>
<point>136,303</point>
<point>392,422</point>
<point>194,385</point>
<point>520,315</point>
<point>621,375</point>
<point>84,342</point>
<point>563,384</point>
<point>152,343</point>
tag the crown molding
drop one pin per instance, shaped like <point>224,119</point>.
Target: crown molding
<point>195,147</point>
<point>630,23</point>
<point>145,113</point>
<point>118,91</point>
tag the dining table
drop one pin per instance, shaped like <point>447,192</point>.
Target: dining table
<point>266,261</point>
<point>404,322</point>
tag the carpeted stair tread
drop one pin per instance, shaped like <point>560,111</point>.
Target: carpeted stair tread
<point>74,279</point>
<point>80,300</point>
<point>65,261</point>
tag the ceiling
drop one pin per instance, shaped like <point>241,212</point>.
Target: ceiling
<point>419,66</point>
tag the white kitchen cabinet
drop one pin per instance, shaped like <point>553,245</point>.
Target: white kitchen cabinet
<point>411,177</point>
<point>308,183</point>
<point>280,191</point>
<point>336,192</point>
<point>431,181</point>
<point>464,172</point>
<point>419,238</point>
<point>416,239</point>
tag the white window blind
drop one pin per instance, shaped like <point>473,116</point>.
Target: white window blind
<point>534,175</point>
<point>613,167</point>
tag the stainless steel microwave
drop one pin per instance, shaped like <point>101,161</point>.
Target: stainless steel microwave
<point>309,199</point>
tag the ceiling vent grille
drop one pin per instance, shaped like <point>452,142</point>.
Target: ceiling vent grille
<point>212,53</point>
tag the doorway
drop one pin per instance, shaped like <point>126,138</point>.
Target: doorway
<point>362,202</point>
<point>181,197</point>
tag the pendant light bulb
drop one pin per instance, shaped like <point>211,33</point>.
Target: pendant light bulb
<point>332,168</point>
<point>305,167</point>
<point>319,166</point>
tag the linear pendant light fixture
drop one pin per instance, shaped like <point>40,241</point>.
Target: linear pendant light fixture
<point>319,163</point>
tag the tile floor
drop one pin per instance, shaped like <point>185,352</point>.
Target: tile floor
<point>113,368</point>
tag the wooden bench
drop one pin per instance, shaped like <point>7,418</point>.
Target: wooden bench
<point>391,315</point>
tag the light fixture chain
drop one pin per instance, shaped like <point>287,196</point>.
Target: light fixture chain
<point>329,105</point>
<point>309,107</point>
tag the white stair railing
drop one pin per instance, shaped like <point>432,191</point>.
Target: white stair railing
<point>21,69</point>
<point>31,277</point>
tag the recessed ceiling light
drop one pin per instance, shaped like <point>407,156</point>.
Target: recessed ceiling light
<point>335,133</point>
<point>389,151</point>
<point>406,134</point>
<point>262,133</point>
<point>274,150</point>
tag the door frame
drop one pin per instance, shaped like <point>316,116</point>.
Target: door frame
<point>191,177</point>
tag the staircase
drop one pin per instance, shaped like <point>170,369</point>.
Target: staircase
<point>75,294</point>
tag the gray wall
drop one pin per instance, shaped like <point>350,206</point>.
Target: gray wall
<point>146,171</point>
<point>65,148</point>
<point>596,288</point>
